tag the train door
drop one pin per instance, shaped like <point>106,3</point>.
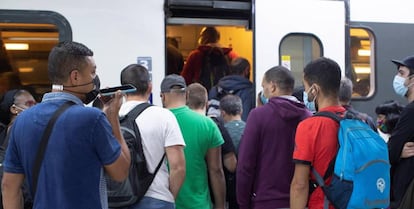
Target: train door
<point>186,18</point>
<point>292,33</point>
<point>26,38</point>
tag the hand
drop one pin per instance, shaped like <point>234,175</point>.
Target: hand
<point>408,150</point>
<point>112,104</point>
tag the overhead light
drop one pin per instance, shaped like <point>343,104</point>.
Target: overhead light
<point>362,70</point>
<point>16,46</point>
<point>364,52</point>
<point>25,69</point>
<point>365,43</point>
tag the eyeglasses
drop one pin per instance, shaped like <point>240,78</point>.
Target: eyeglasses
<point>18,107</point>
<point>27,104</point>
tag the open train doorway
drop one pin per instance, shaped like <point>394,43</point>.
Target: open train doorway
<point>185,38</point>
<point>186,19</point>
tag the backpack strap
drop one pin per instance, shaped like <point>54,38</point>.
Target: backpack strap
<point>132,115</point>
<point>333,116</point>
<point>329,171</point>
<point>43,144</point>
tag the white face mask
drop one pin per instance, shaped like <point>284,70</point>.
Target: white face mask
<point>399,86</point>
<point>309,104</point>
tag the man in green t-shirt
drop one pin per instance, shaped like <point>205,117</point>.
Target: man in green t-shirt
<point>202,152</point>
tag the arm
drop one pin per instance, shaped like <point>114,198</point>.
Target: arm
<point>230,162</point>
<point>216,175</point>
<point>402,133</point>
<point>11,190</point>
<point>176,161</point>
<point>118,170</point>
<point>299,188</point>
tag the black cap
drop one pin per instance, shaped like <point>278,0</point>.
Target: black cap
<point>407,62</point>
<point>172,80</point>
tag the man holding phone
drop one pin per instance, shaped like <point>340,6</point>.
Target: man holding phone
<point>83,142</point>
<point>160,134</point>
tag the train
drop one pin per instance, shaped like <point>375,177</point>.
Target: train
<point>362,36</point>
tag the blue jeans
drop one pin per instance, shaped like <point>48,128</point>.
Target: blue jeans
<point>151,203</point>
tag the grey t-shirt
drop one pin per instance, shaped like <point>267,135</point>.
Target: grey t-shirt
<point>235,129</point>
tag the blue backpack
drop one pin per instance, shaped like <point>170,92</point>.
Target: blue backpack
<point>361,168</point>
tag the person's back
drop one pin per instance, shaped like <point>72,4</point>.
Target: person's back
<point>202,138</point>
<point>160,135</point>
<point>316,139</point>
<point>262,181</point>
<point>66,172</point>
<point>231,109</point>
<point>83,142</point>
<point>197,101</point>
<point>175,60</point>
<point>209,38</point>
<point>200,133</point>
<point>236,83</point>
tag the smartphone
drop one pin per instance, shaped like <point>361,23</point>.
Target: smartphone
<point>124,88</point>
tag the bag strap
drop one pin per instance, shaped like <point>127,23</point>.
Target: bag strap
<point>330,169</point>
<point>133,114</point>
<point>333,116</point>
<point>43,144</point>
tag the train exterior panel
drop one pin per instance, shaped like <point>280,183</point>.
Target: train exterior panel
<point>135,31</point>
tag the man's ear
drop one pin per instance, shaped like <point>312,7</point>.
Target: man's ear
<point>274,87</point>
<point>149,90</point>
<point>73,77</point>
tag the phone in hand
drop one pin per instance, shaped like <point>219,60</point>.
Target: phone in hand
<point>124,88</point>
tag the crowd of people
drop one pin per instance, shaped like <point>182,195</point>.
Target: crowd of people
<point>220,150</point>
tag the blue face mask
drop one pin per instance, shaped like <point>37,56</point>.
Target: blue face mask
<point>399,86</point>
<point>309,104</point>
<point>263,99</point>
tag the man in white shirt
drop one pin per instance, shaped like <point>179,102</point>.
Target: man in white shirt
<point>160,134</point>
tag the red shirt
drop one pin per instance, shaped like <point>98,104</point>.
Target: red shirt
<point>316,144</point>
<point>192,67</point>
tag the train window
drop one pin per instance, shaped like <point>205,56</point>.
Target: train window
<point>26,38</point>
<point>362,64</point>
<point>298,49</point>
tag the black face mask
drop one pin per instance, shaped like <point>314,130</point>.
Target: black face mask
<point>90,96</point>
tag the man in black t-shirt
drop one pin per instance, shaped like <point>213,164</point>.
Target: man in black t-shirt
<point>401,141</point>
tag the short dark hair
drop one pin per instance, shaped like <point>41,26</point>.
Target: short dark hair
<point>209,35</point>
<point>238,65</point>
<point>196,96</point>
<point>281,76</point>
<point>231,104</point>
<point>65,57</point>
<point>345,90</point>
<point>138,76</point>
<point>324,72</point>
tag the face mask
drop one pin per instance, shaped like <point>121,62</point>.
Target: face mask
<point>90,96</point>
<point>263,99</point>
<point>399,86</point>
<point>382,127</point>
<point>309,104</point>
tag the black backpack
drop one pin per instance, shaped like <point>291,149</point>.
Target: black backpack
<point>131,190</point>
<point>215,66</point>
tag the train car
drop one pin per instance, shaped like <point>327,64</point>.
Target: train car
<point>362,36</point>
